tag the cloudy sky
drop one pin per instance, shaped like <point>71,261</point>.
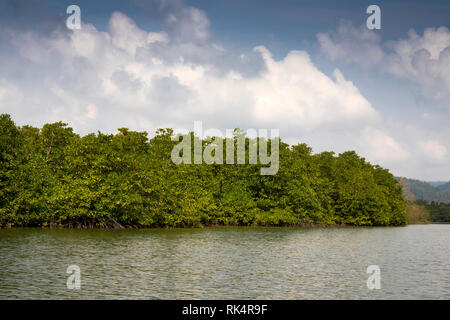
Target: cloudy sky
<point>311,69</point>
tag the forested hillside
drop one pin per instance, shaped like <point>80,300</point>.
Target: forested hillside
<point>51,176</point>
<point>417,213</point>
<point>444,186</point>
<point>419,210</point>
<point>425,191</point>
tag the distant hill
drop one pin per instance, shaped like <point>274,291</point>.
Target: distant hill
<point>436,183</point>
<point>409,196</point>
<point>444,187</point>
<point>425,191</point>
<point>416,212</point>
<point>425,202</point>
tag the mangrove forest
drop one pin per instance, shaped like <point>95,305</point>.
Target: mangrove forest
<point>53,177</point>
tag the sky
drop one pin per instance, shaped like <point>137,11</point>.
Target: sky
<point>311,69</point>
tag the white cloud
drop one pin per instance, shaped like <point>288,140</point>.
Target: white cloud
<point>434,150</point>
<point>381,147</point>
<point>125,34</point>
<point>424,60</point>
<point>416,147</point>
<point>352,45</point>
<point>91,111</point>
<point>294,92</point>
<point>9,93</point>
<point>128,77</point>
<point>127,74</point>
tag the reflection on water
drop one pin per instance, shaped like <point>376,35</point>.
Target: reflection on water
<point>227,263</point>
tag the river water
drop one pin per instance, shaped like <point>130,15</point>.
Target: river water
<point>226,263</point>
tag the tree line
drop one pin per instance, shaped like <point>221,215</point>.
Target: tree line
<point>438,211</point>
<point>425,191</point>
<point>51,176</point>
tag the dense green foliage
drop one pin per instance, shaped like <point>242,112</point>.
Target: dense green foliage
<point>51,176</point>
<point>425,191</point>
<point>439,212</point>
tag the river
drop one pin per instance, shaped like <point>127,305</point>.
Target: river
<point>227,263</point>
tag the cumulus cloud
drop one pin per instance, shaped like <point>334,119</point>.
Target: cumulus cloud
<point>127,76</point>
<point>381,147</point>
<point>434,149</point>
<point>422,59</point>
<point>352,44</point>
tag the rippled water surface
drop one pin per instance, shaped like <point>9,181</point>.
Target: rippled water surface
<point>227,263</point>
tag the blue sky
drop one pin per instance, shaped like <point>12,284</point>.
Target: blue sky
<point>309,68</point>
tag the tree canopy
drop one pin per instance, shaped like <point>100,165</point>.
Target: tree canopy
<point>51,176</point>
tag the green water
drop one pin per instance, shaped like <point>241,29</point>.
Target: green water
<point>227,263</point>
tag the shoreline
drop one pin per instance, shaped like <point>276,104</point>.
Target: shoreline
<point>300,226</point>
